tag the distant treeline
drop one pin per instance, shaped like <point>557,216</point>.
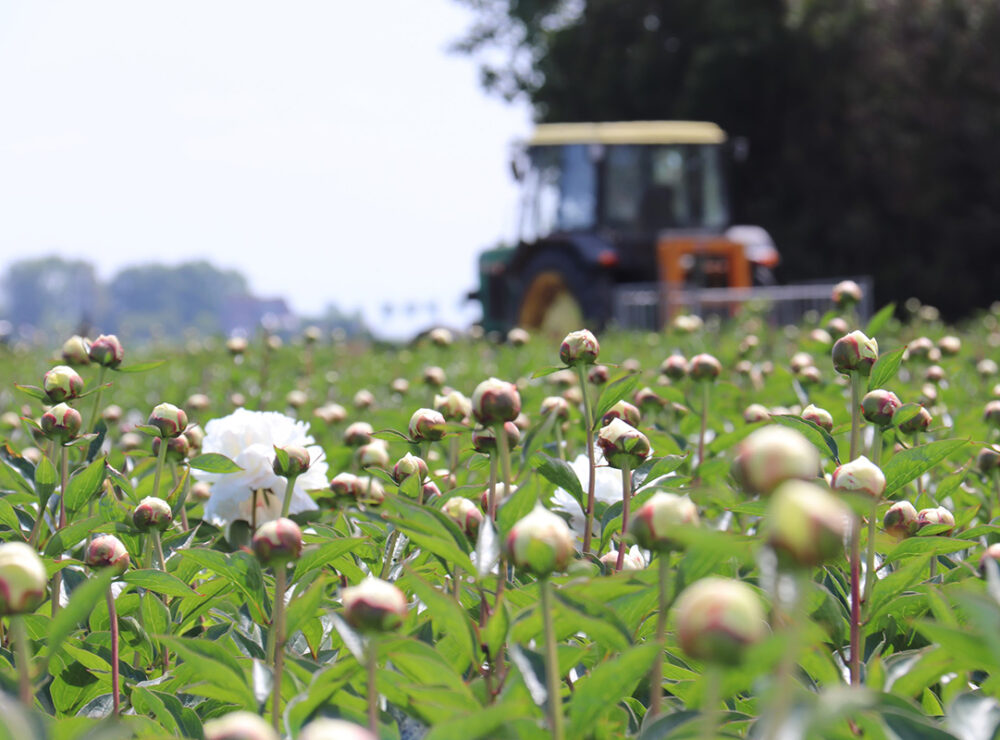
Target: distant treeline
<point>872,124</point>
<point>149,301</point>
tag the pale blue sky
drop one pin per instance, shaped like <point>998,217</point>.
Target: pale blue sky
<point>330,150</point>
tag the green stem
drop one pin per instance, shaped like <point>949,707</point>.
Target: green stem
<point>710,703</point>
<point>57,579</point>
<point>870,557</point>
<point>785,684</point>
<point>706,392</point>
<point>656,672</point>
<point>855,601</point>
<point>96,408</point>
<point>19,636</point>
<point>161,457</point>
<point>181,505</point>
<point>559,441</point>
<point>278,641</point>
<point>588,423</point>
<point>626,500</point>
<point>452,459</point>
<point>552,663</point>
<point>372,690</point>
<point>158,547</point>
<point>856,379</point>
<point>491,500</point>
<point>286,506</point>
<point>115,681</point>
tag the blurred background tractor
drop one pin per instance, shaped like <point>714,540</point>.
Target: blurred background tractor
<point>605,206</point>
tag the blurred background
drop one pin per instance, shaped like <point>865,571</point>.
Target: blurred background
<point>215,165</point>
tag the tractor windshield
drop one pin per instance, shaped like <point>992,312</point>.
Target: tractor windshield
<point>629,188</point>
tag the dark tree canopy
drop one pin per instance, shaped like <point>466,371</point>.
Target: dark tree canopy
<point>871,123</point>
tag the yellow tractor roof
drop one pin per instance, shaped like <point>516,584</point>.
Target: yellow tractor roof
<point>627,132</point>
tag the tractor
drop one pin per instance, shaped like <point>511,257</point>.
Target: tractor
<point>607,205</point>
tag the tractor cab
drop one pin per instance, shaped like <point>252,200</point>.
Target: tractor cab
<point>609,204</point>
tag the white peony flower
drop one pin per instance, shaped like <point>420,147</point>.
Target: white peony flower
<point>248,438</point>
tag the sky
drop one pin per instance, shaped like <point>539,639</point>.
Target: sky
<point>331,151</point>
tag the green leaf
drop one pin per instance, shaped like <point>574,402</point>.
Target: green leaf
<point>926,546</point>
<point>608,684</point>
<point>812,431</point>
<point>317,557</point>
<point>885,368</point>
<point>69,536</point>
<point>303,606</point>
<point>612,393</point>
<point>548,371</point>
<point>159,582</point>
<point>880,319</point>
<point>33,391</point>
<point>213,664</point>
<point>82,602</point>
<point>8,517</point>
<point>84,485</point>
<point>447,616</point>
<point>213,462</point>
<point>45,473</point>
<point>561,474</point>
<point>908,465</point>
<point>140,367</point>
<point>655,467</point>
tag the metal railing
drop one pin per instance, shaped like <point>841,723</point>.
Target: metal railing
<point>650,306</point>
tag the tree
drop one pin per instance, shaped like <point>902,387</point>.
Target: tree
<point>51,292</point>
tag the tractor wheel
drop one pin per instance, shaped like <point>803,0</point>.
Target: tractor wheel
<point>560,295</point>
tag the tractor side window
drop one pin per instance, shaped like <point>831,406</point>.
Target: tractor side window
<point>623,186</point>
<point>713,200</point>
<point>579,186</point>
<point>559,191</point>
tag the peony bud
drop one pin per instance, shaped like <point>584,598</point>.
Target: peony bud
<point>107,551</point>
<point>860,475</point>
<point>22,578</point>
<point>821,336</point>
<point>919,348</point>
<point>555,405</point>
<point>950,345</point>
<point>484,439</point>
<point>579,348</point>
<point>987,368</point>
<point>939,515</point>
<point>357,434</point>
<point>688,323</point>
<point>991,414</point>
<point>749,343</point>
<point>293,463</point>
<point>440,337</point>
<point>76,351</point>
<point>854,353</point>
<point>990,553</point>
<point>622,410</point>
<point>168,419</point>
<point>400,386</point>
<point>623,445</point>
<point>363,399</point>
<point>454,406</point>
<point>755,412</point>
<point>598,375</point>
<point>239,725</point>
<point>704,367</point>
<point>374,605</point>
<point>152,513</point>
<point>201,491</point>
<point>277,542</point>
<point>495,401</point>
<point>409,464</point>
<point>800,361</point>
<point>195,436</point>
<point>540,543</point>
<point>465,514</point>
<point>879,406</point>
<point>62,383</point>
<point>434,376</point>
<point>61,423</point>
<point>631,560</point>
<point>331,413</point>
<point>236,345</point>
<point>810,376</point>
<point>838,327</point>
<point>325,728</point>
<point>917,423</point>
<point>934,374</point>
<point>502,494</point>
<point>674,367</point>
<point>806,524</point>
<point>427,425</point>
<point>107,351</point>
<point>656,521</point>
<point>198,402</point>
<point>518,337</point>
<point>900,520</point>
<point>178,448</point>
<point>648,400</point>
<point>771,455</point>
<point>818,416</point>
<point>718,619</point>
<point>846,293</point>
<point>988,459</point>
<point>346,485</point>
<point>373,455</point>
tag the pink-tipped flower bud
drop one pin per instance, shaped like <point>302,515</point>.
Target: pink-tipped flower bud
<point>987,368</point>
<point>854,353</point>
<point>427,425</point>
<point>434,376</point>
<point>465,514</point>
<point>152,513</point>
<point>195,436</point>
<point>454,406</point>
<point>400,386</point>
<point>820,417</point>
<point>201,491</point>
<point>917,423</point>
<point>112,414</point>
<point>502,494</point>
<point>522,422</point>
<point>919,348</point>
<point>296,399</point>
<point>821,336</point>
<point>374,605</point>
<point>331,413</point>
<point>107,551</point>
<point>312,334</point>
<point>364,399</point>
<point>440,337</point>
<point>178,448</point>
<point>76,351</point>
<point>900,520</point>
<point>540,543</point>
<point>357,434</point>
<point>688,323</point>
<point>429,490</point>
<point>495,401</point>
<point>518,337</point>
<point>239,725</point>
<point>860,475</point>
<point>409,465</point>
<point>293,463</point>
<point>846,293</point>
<point>674,367</point>
<point>879,406</point>
<point>598,375</point>
<point>810,376</point>
<point>806,524</point>
<point>748,344</point>
<point>168,419</point>
<point>935,516</point>
<point>988,459</point>
<point>655,524</point>
<point>22,578</point>
<point>800,361</point>
<point>630,561</point>
<point>718,619</point>
<point>755,413</point>
<point>991,414</point>
<point>623,445</point>
<point>334,729</point>
<point>579,348</point>
<point>198,402</point>
<point>950,345</point>
<point>236,346</point>
<point>346,485</point>
<point>107,351</point>
<point>555,405</point>
<point>704,367</point>
<point>62,383</point>
<point>61,423</point>
<point>771,455</point>
<point>648,400</point>
<point>622,410</point>
<point>838,326</point>
<point>373,455</point>
<point>484,439</point>
<point>990,553</point>
<point>934,374</point>
<point>277,542</point>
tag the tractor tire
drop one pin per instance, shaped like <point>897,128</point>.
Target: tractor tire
<point>559,294</point>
